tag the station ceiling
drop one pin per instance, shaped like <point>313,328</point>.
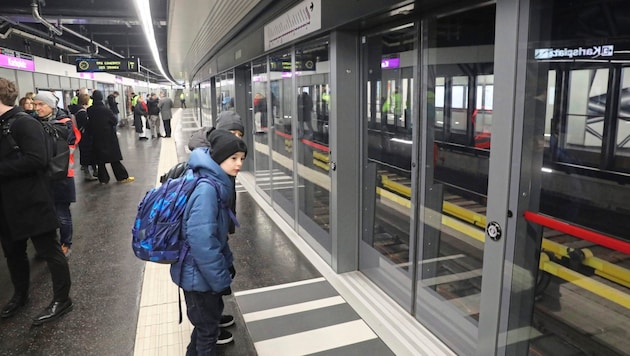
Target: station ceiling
<point>86,28</point>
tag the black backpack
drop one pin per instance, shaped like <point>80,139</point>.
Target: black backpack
<point>176,171</point>
<point>58,152</point>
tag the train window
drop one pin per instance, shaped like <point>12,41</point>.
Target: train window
<point>482,115</point>
<point>459,105</point>
<point>585,116</point>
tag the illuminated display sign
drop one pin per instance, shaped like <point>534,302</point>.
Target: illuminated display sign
<point>304,63</point>
<point>389,63</point>
<point>16,60</point>
<point>579,52</point>
<point>107,65</point>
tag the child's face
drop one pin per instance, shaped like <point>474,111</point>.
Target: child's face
<point>233,164</point>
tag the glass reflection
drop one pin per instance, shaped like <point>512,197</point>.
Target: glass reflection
<point>278,125</point>
<point>260,83</point>
<point>313,111</point>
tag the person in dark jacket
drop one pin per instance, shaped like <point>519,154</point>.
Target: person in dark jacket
<point>64,189</point>
<point>25,197</point>
<point>85,145</point>
<point>165,105</point>
<point>113,105</point>
<point>105,147</point>
<point>205,274</point>
<point>140,113</point>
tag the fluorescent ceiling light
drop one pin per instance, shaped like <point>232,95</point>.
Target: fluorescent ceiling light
<point>143,8</point>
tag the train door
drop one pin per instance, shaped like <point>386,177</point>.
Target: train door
<point>313,104</point>
<point>387,242</point>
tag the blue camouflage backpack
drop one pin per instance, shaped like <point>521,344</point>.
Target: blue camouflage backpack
<point>157,230</point>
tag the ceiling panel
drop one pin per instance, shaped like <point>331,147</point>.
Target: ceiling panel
<point>112,26</point>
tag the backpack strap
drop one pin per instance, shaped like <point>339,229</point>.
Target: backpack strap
<point>220,202</point>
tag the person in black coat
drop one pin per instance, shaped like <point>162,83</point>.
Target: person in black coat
<point>25,198</point>
<point>105,147</point>
<point>85,145</point>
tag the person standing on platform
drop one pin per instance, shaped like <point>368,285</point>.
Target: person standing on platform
<point>182,100</point>
<point>85,145</point>
<point>154,116</point>
<point>166,105</point>
<point>105,147</point>
<point>25,198</point>
<point>64,191</point>
<point>205,272</point>
<point>26,104</point>
<point>140,112</point>
<point>113,105</point>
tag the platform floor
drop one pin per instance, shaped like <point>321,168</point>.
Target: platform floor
<point>282,302</point>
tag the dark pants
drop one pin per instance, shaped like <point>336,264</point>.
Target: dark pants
<point>167,127</point>
<point>204,312</point>
<point>120,172</point>
<point>65,222</point>
<point>48,248</point>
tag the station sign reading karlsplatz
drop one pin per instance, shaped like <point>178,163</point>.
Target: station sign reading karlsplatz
<point>573,53</point>
<point>16,60</point>
<point>299,21</point>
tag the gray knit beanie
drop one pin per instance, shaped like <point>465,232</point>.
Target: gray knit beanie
<point>47,98</point>
<point>229,120</point>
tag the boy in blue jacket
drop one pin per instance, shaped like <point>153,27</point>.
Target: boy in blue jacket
<point>204,274</point>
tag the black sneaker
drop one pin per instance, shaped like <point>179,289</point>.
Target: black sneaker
<point>226,320</point>
<point>225,337</point>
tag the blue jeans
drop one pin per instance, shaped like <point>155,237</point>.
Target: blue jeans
<point>65,223</point>
<point>204,312</point>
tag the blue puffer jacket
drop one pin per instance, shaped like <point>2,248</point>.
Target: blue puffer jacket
<point>206,266</point>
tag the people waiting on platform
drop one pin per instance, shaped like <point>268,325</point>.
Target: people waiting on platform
<point>88,165</point>
<point>165,105</point>
<point>206,273</point>
<point>64,192</point>
<point>105,147</point>
<point>25,198</point>
<point>140,113</point>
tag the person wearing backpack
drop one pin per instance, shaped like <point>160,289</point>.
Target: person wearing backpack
<point>64,191</point>
<point>27,210</point>
<point>205,272</point>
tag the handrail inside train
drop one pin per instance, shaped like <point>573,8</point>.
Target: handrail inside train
<point>579,232</point>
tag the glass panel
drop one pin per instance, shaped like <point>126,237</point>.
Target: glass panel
<point>388,66</point>
<point>279,126</point>
<point>313,107</point>
<point>459,77</point>
<point>570,287</point>
<point>260,83</point>
<point>585,114</point>
<point>225,91</point>
<point>622,152</point>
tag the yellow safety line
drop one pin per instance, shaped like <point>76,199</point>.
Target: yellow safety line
<point>598,288</point>
<point>603,268</point>
<point>324,157</point>
<point>320,164</point>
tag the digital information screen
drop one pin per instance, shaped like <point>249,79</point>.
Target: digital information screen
<point>108,65</point>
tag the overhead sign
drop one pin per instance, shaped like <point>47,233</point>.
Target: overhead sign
<point>299,21</point>
<point>579,52</point>
<point>108,65</point>
<point>16,60</point>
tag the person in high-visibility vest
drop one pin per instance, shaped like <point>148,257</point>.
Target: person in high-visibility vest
<point>182,99</point>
